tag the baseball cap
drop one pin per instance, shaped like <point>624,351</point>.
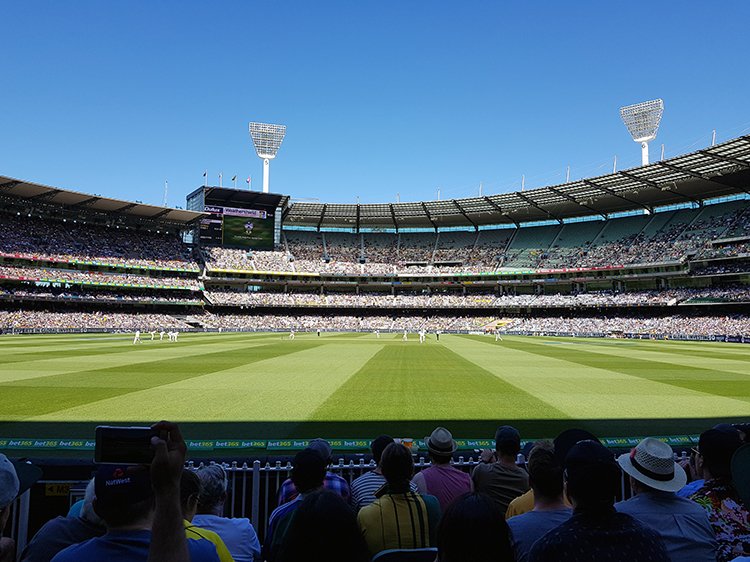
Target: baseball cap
<point>507,436</point>
<point>321,446</point>
<point>591,472</point>
<point>15,478</point>
<point>567,439</point>
<point>122,484</point>
<point>9,483</point>
<point>717,447</point>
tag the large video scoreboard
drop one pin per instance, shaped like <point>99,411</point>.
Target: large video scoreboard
<point>237,218</point>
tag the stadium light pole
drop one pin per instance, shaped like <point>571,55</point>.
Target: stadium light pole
<point>267,140</point>
<point>642,120</point>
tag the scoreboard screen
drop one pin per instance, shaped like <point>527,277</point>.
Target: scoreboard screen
<point>231,227</point>
<point>236,218</point>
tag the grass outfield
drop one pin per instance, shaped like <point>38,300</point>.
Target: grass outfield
<point>354,385</point>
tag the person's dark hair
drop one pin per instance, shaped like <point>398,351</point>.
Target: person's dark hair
<point>324,527</point>
<point>592,476</point>
<point>717,446</point>
<point>308,470</point>
<point>397,467</point>
<point>119,514</point>
<point>545,472</point>
<point>378,445</point>
<point>190,487</point>
<point>473,528</point>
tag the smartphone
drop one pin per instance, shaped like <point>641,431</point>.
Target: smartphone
<point>124,445</point>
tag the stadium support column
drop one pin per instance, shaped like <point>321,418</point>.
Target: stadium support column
<point>267,173</point>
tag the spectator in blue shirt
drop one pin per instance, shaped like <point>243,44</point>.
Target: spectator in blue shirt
<point>654,479</point>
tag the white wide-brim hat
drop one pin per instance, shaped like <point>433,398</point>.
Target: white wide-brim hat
<point>652,463</point>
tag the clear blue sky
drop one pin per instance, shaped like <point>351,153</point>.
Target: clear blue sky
<point>113,97</point>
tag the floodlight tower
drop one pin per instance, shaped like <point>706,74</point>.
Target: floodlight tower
<point>642,120</point>
<point>267,140</point>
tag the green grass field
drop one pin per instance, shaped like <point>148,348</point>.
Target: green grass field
<point>354,385</point>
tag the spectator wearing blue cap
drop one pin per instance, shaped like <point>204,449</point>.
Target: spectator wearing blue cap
<point>125,501</point>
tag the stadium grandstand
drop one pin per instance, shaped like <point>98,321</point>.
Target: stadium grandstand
<point>665,247</point>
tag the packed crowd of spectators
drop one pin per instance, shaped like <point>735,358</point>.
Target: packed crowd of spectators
<point>246,260</point>
<point>97,277</point>
<point>445,300</point>
<point>731,267</point>
<point>683,234</point>
<point>674,325</point>
<point>38,238</point>
<point>93,295</point>
<point>556,502</point>
<point>44,320</point>
<point>311,323</point>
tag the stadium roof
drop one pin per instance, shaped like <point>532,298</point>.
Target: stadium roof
<point>229,197</point>
<point>73,200</point>
<point>717,171</point>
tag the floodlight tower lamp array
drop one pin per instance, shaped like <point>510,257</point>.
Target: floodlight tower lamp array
<point>267,140</point>
<point>642,120</point>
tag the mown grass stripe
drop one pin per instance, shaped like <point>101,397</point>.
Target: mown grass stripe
<point>410,381</point>
<point>281,387</point>
<point>700,379</point>
<point>64,391</point>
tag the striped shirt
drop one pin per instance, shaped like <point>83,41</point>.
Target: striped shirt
<point>365,486</point>
<point>399,521</point>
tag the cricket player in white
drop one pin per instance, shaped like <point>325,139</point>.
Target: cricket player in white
<point>137,337</point>
<point>405,336</point>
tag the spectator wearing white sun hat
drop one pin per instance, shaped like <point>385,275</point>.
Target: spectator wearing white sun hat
<point>654,479</point>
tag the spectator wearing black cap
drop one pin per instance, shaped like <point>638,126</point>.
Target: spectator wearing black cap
<point>596,531</point>
<point>502,479</point>
<point>363,488</point>
<point>399,518</point>
<point>15,479</point>
<point>442,480</point>
<point>719,497</point>
<point>125,501</point>
<point>546,477</point>
<point>308,471</point>
<point>332,482</point>
<point>654,479</point>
